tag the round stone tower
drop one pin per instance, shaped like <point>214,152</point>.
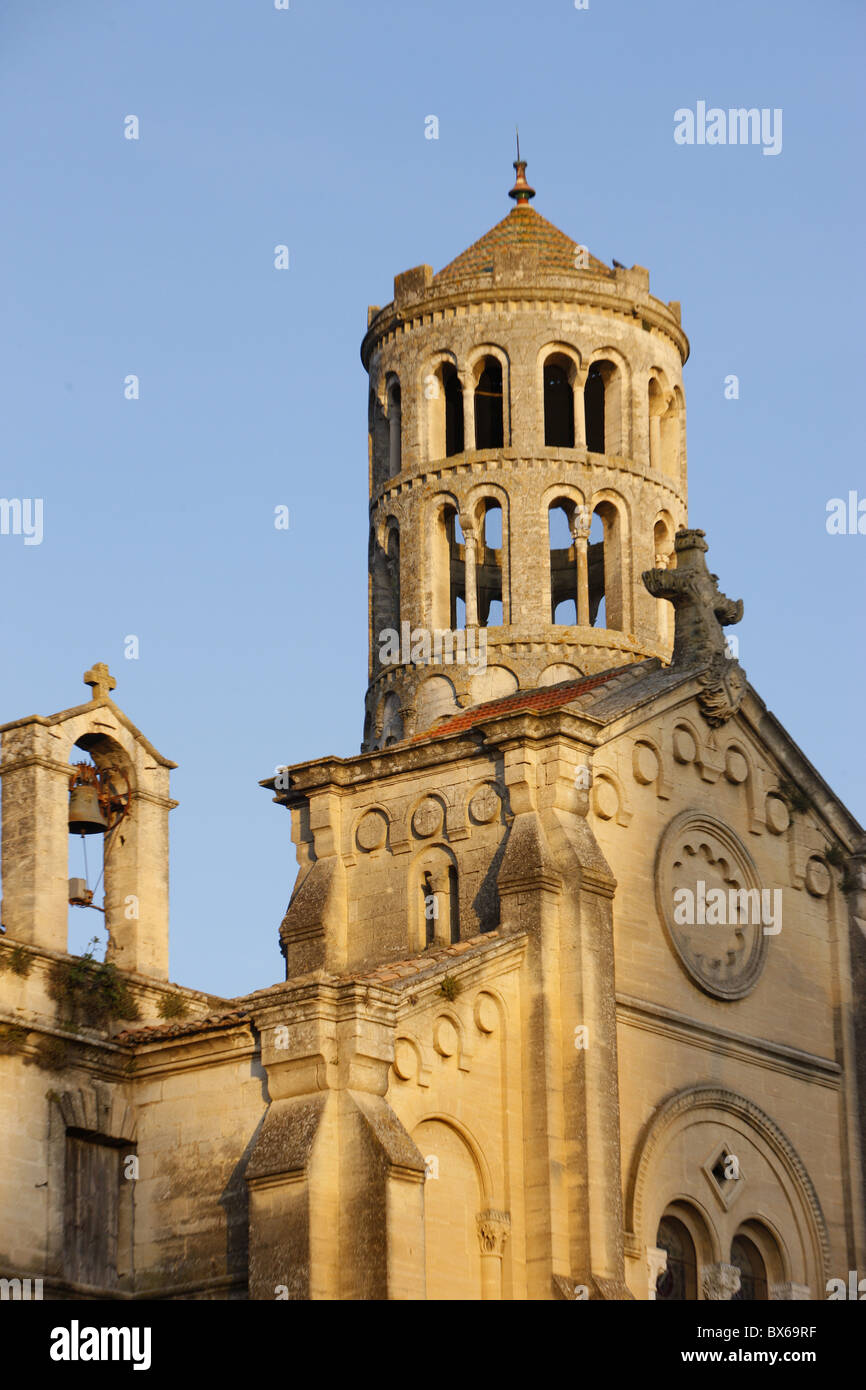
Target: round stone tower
<point>527,456</point>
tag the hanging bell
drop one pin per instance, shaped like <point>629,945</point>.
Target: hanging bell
<point>85,812</point>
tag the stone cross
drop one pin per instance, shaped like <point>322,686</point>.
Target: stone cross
<point>702,611</point>
<point>101,681</point>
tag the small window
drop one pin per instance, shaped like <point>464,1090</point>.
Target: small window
<point>558,407</point>
<point>453,393</point>
<point>394,427</point>
<point>488,406</point>
<point>593,404</point>
<point>488,574</point>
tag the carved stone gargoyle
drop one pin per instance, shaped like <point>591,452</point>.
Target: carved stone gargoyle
<point>701,612</point>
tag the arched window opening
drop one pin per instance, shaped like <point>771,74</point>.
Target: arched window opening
<point>669,439</point>
<point>429,907</point>
<point>439,907</point>
<point>678,1283</point>
<point>379,442</point>
<point>394,427</point>
<point>87,934</point>
<point>606,586</point>
<point>603,415</point>
<point>391,718</point>
<point>489,568</point>
<point>448,586</point>
<point>452,394</point>
<point>656,407</point>
<point>457,570</point>
<point>597,597</point>
<point>488,406</point>
<point>444,396</point>
<point>100,872</point>
<point>558,405</point>
<point>393,558</point>
<point>663,558</point>
<point>454,905</point>
<point>563,563</point>
<point>385,586</point>
<point>753,1273</point>
<point>449,607</point>
<point>593,406</point>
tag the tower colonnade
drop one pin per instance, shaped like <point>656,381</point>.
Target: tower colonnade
<point>527,461</point>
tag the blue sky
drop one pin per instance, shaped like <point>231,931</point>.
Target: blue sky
<point>306,127</point>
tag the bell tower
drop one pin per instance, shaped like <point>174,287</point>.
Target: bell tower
<point>86,771</point>
<point>527,462</point>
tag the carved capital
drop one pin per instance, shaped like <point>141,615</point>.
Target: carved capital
<point>581,522</point>
<point>720,1281</point>
<point>494,1228</point>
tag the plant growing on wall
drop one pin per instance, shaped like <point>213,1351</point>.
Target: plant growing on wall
<point>91,992</point>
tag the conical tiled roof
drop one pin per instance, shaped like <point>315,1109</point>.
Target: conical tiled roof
<point>524,229</point>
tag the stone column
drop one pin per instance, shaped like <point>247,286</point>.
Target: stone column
<point>468,411</point>
<point>35,856</point>
<point>656,1263</point>
<point>789,1293</point>
<point>580,523</point>
<point>720,1281</point>
<point>470,551</point>
<point>493,1230</point>
<point>579,410</point>
<point>440,888</point>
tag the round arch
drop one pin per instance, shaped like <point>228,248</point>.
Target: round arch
<point>807,1231</point>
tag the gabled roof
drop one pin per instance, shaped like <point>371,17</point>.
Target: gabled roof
<point>522,229</point>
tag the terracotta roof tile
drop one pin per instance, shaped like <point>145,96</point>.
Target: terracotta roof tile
<point>526,229</point>
<point>400,970</point>
<point>154,1032</point>
<point>548,697</point>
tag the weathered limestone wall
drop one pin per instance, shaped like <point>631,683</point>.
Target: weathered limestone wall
<point>782,1045</point>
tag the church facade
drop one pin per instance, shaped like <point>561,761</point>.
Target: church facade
<point>576,952</point>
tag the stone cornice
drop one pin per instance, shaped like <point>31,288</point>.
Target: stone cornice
<point>583,289</point>
<point>476,461</point>
<point>340,775</point>
<point>792,1061</point>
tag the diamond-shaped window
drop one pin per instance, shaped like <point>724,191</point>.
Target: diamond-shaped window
<point>724,1174</point>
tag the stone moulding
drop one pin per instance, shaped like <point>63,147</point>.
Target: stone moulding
<point>704,1097</point>
<point>690,825</point>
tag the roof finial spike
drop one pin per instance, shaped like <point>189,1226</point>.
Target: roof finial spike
<point>521,192</point>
